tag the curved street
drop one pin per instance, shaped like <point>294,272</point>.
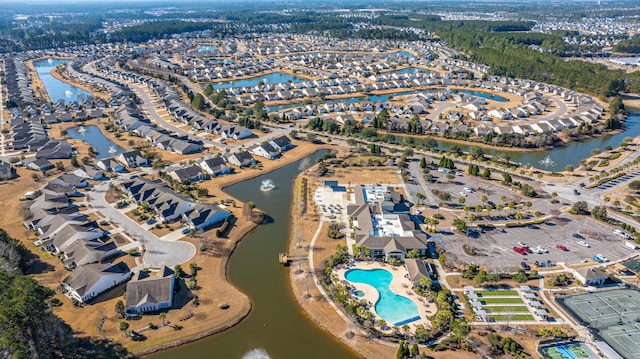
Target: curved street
<point>158,252</point>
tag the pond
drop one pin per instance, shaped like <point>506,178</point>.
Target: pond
<point>272,78</point>
<point>95,138</point>
<point>55,88</point>
<point>403,53</point>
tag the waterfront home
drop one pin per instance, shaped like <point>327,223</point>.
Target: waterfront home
<point>281,144</point>
<point>90,280</point>
<point>215,166</point>
<point>54,149</point>
<point>132,159</point>
<point>149,293</point>
<point>191,174</point>
<point>204,215</point>
<point>264,150</point>
<point>241,159</point>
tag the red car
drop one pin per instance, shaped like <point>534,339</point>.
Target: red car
<point>520,250</point>
<point>561,247</point>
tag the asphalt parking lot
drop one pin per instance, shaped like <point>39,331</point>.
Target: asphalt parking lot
<point>495,248</point>
<point>617,181</point>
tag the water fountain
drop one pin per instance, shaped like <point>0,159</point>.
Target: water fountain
<point>257,353</point>
<point>112,149</point>
<point>68,93</point>
<point>267,185</point>
<point>547,162</point>
<point>81,129</point>
<point>50,61</point>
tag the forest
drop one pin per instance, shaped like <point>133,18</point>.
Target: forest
<point>28,327</point>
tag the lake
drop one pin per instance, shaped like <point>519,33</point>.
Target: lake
<point>55,88</point>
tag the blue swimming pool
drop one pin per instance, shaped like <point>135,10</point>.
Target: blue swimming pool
<point>393,308</point>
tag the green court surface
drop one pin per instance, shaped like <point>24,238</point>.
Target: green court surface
<point>501,300</point>
<point>496,293</point>
<point>520,317</point>
<point>500,309</point>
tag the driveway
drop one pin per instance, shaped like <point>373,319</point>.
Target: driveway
<point>158,253</point>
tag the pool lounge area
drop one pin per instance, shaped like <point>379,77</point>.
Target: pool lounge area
<point>389,292</point>
<point>571,350</point>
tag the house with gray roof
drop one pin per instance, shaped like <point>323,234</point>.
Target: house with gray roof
<point>416,270</point>
<point>7,172</point>
<point>132,159</point>
<point>241,159</point>
<point>215,166</point>
<point>204,215</point>
<point>89,281</point>
<point>85,251</point>
<point>150,293</point>
<point>192,174</point>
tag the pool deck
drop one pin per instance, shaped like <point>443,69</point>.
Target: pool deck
<point>400,285</point>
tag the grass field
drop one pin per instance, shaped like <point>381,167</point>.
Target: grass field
<point>499,309</point>
<point>496,293</point>
<point>522,317</point>
<point>501,301</point>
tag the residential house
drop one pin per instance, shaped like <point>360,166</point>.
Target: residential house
<point>89,172</point>
<point>281,144</point>
<point>132,159</point>
<point>264,150</point>
<point>241,159</point>
<point>192,174</point>
<point>88,281</point>
<point>204,215</point>
<point>110,165</point>
<point>85,251</point>
<point>39,164</point>
<point>150,293</point>
<point>215,166</point>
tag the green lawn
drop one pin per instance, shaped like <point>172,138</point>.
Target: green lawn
<point>501,300</point>
<point>499,309</point>
<point>497,293</point>
<point>512,317</point>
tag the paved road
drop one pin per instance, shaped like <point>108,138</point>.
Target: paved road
<point>158,253</point>
<point>441,106</point>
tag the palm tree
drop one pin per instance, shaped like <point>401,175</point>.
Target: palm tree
<point>483,199</point>
<point>163,316</point>
<point>519,216</point>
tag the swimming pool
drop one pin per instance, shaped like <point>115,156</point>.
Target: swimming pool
<point>391,307</point>
<point>567,351</point>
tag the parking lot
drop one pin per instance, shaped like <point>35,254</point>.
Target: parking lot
<point>619,180</point>
<point>494,248</point>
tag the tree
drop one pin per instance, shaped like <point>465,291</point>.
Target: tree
<point>599,212</point>
<point>414,253</point>
<point>177,269</point>
<point>59,166</point>
<point>202,192</point>
<point>486,173</point>
<point>120,310</point>
<point>568,168</point>
<point>123,326</point>
<point>163,317</point>
<point>580,207</point>
<point>423,163</point>
<point>74,162</point>
<point>506,178</point>
<point>420,197</point>
<point>635,185</point>
<point>194,268</point>
<point>460,224</point>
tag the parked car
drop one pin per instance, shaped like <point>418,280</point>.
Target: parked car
<point>522,244</point>
<point>600,258</point>
<point>561,247</point>
<point>584,244</point>
<point>578,236</point>
<point>575,191</point>
<point>525,266</point>
<point>186,230</point>
<point>540,250</point>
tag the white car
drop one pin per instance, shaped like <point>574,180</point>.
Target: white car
<point>522,244</point>
<point>584,244</point>
<point>543,249</point>
<point>620,233</point>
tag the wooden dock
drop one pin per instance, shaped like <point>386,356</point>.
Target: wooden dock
<point>283,258</point>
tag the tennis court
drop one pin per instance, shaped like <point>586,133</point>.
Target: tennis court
<point>616,316</point>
